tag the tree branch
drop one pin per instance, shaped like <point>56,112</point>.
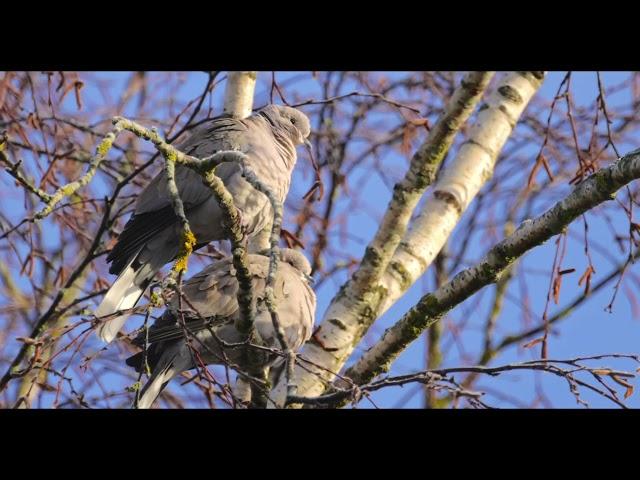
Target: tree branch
<point>171,155</point>
<point>351,312</point>
<point>593,191</point>
<point>67,190</point>
<point>458,185</point>
<point>238,94</point>
<point>434,379</point>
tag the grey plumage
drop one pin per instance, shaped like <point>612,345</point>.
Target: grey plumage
<point>210,305</point>
<point>150,238</point>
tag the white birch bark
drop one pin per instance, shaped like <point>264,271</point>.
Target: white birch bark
<point>353,310</point>
<point>459,184</point>
<point>596,189</point>
<point>453,193</point>
<point>238,94</point>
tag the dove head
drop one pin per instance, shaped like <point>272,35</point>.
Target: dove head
<point>297,260</point>
<point>289,119</point>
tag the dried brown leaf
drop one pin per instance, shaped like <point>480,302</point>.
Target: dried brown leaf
<point>533,342</point>
<point>77,85</point>
<point>620,381</point>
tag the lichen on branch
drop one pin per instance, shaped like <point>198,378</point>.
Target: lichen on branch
<point>353,310</point>
<point>69,189</point>
<point>596,189</point>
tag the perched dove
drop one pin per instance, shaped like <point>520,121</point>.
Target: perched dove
<point>151,237</point>
<point>210,304</point>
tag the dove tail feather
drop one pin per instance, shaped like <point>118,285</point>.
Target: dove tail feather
<point>122,295</point>
<point>156,384</point>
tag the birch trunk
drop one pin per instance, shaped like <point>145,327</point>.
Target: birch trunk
<point>453,193</point>
<point>598,188</point>
<point>460,183</point>
<point>238,102</point>
<point>238,94</point>
<point>354,309</point>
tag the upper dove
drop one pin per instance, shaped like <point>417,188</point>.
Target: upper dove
<point>151,237</point>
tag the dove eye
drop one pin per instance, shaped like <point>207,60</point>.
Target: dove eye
<point>293,120</point>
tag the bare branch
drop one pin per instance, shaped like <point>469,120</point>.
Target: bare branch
<point>433,379</point>
<point>351,311</point>
<point>593,191</point>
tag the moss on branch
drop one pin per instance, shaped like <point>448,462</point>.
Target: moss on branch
<point>594,190</point>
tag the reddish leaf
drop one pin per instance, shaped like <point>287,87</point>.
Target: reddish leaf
<point>587,273</point>
<point>62,80</point>
<point>621,381</point>
<point>46,387</point>
<point>291,239</point>
<point>78,86</point>
<point>557,282</point>
<point>421,122</point>
<point>533,342</point>
<point>66,90</point>
<point>33,121</point>
<point>407,136</point>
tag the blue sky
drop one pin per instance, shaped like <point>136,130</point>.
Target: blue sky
<point>591,330</point>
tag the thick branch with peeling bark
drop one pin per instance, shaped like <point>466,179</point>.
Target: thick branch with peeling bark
<point>421,174</point>
<point>593,191</point>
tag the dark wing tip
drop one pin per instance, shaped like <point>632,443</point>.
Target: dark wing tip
<point>139,229</point>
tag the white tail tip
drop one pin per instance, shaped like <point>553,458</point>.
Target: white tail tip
<point>122,295</point>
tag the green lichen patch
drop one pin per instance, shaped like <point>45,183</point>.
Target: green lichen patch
<point>402,274</point>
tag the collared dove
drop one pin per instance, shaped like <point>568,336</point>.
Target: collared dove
<point>210,304</point>
<point>151,237</point>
